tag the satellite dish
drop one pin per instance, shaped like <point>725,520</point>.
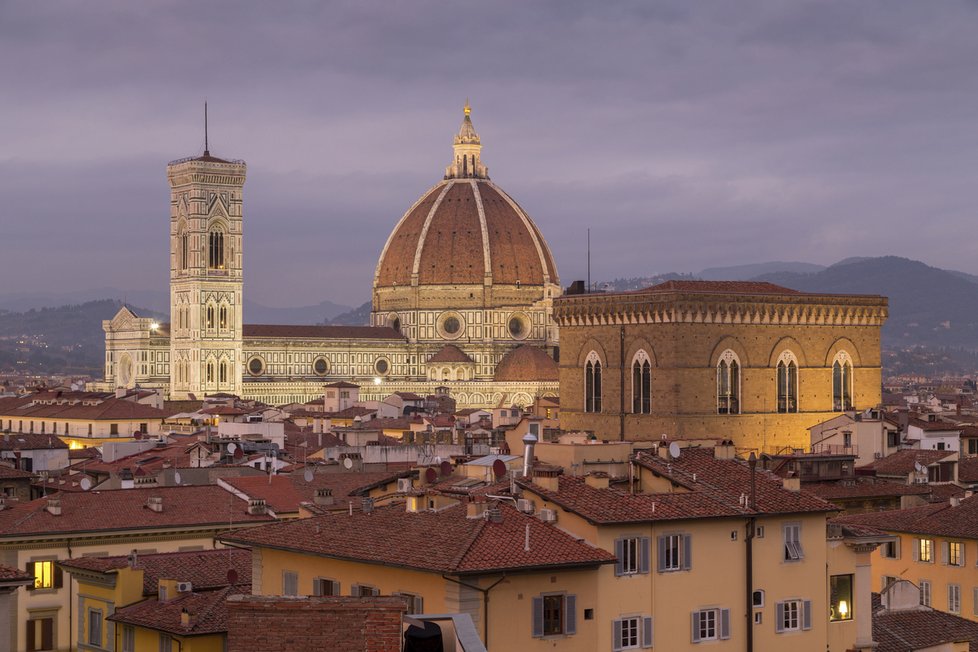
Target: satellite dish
<point>137,435</point>
<point>238,453</point>
<point>232,576</point>
<point>446,468</point>
<point>437,459</point>
<point>85,484</point>
<point>499,468</point>
<point>674,451</point>
<point>430,475</point>
<point>177,478</point>
<point>347,463</point>
<point>232,448</point>
<point>918,467</point>
<point>307,475</point>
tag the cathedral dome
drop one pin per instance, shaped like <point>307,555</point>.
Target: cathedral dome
<point>466,231</point>
<point>526,364</point>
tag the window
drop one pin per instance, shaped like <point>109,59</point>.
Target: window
<point>95,627</point>
<point>554,615</point>
<point>793,615</point>
<point>630,633</point>
<point>223,369</point>
<point>40,634</point>
<point>592,383</point>
<point>215,249</point>
<point>47,574</point>
<point>641,384</point>
<point>787,383</point>
<point>675,552</point>
<point>728,383</point>
<point>166,643</point>
<point>710,625</point>
<point>954,598</point>
<point>633,555</point>
<point>415,603</point>
<point>890,550</point>
<point>925,592</point>
<point>954,553</point>
<point>210,316</point>
<point>128,638</point>
<point>256,366</point>
<point>792,542</point>
<point>757,599</point>
<point>222,321</point>
<point>840,598</point>
<point>364,591</point>
<point>842,382</point>
<point>887,580</point>
<point>923,550</point>
<point>290,583</point>
<point>321,587</point>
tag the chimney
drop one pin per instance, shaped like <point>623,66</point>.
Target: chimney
<point>367,505</point>
<point>186,619</point>
<point>126,480</point>
<point>529,444</point>
<point>792,483</point>
<point>494,515</point>
<point>54,506</point>
<point>955,501</point>
<point>120,392</point>
<point>155,503</point>
<point>476,508</point>
<point>547,479</point>
<point>597,479</point>
<point>725,450</point>
<point>324,496</point>
<point>257,506</point>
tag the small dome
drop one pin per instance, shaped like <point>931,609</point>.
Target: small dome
<point>526,364</point>
<point>451,353</point>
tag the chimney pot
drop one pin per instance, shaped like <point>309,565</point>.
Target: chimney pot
<point>54,506</point>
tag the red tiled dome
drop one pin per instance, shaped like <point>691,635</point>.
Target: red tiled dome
<point>461,232</point>
<point>526,364</point>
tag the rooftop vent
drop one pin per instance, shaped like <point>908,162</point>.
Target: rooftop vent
<point>324,496</point>
<point>54,506</point>
<point>257,506</point>
<point>155,503</point>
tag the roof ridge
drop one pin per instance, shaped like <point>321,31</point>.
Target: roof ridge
<point>477,532</point>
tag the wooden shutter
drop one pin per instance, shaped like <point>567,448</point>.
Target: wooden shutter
<point>619,556</point>
<point>355,590</point>
<point>30,571</point>
<point>645,551</point>
<point>687,551</point>
<point>615,635</point>
<point>724,624</point>
<point>896,547</point>
<point>962,561</point>
<point>779,617</point>
<point>661,554</point>
<point>696,627</point>
<point>647,633</point>
<point>336,588</point>
<point>418,604</point>
<point>806,620</point>
<point>570,614</point>
<point>317,588</point>
<point>538,617</point>
<point>945,552</point>
<point>57,575</point>
<point>31,634</point>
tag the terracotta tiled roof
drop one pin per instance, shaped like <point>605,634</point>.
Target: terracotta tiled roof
<point>451,353</point>
<point>258,331</point>
<point>8,473</point>
<point>938,519</point>
<point>347,487</point>
<point>720,287</point>
<point>204,569</point>
<point>278,491</point>
<point>342,384</point>
<point>526,364</point>
<point>106,409</point>
<point>125,509</point>
<point>409,396</point>
<point>923,628</point>
<point>968,469</point>
<point>8,574</point>
<point>208,611</point>
<point>865,487</point>
<point>351,412</point>
<point>933,426</point>
<point>30,441</point>
<point>901,463</point>
<point>445,541</point>
<point>147,462</point>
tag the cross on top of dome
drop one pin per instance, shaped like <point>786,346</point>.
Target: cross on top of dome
<point>467,163</point>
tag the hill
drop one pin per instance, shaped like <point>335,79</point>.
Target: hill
<point>357,317</point>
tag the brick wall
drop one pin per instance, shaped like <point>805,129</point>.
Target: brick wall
<point>340,624</point>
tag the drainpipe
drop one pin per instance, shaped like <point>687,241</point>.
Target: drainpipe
<point>485,603</point>
<point>621,385</point>
<point>751,528</point>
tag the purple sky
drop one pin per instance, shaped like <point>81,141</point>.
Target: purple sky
<point>686,135</point>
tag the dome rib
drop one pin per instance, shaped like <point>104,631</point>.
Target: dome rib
<point>424,232</point>
<point>486,253</point>
<point>397,231</point>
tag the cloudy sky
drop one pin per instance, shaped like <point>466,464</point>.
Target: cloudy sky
<point>685,135</point>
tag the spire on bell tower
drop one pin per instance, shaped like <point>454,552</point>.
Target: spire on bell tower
<point>467,163</point>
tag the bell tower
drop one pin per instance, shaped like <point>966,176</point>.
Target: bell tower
<point>205,275</point>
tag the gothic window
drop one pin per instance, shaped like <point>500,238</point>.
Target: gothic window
<point>223,320</point>
<point>728,383</point>
<point>842,382</point>
<point>592,383</point>
<point>215,249</point>
<point>210,317</point>
<point>787,383</point>
<point>223,372</point>
<point>641,383</point>
<point>184,250</point>
<point>210,372</point>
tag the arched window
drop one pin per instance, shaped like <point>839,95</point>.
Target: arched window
<point>223,320</point>
<point>641,383</point>
<point>184,249</point>
<point>215,249</point>
<point>728,383</point>
<point>223,375</point>
<point>787,383</point>
<point>842,382</point>
<point>592,383</point>
<point>210,372</point>
<point>210,317</point>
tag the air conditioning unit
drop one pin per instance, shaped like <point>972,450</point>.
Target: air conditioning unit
<point>404,484</point>
<point>548,515</point>
<point>525,505</point>
<point>184,587</point>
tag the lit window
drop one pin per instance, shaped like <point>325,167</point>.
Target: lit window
<point>728,383</point>
<point>46,574</point>
<point>840,597</point>
<point>924,550</point>
<point>792,542</point>
<point>955,553</point>
<point>711,625</point>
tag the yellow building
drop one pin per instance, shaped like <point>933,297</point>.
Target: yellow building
<point>752,362</point>
<point>35,536</point>
<point>936,549</point>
